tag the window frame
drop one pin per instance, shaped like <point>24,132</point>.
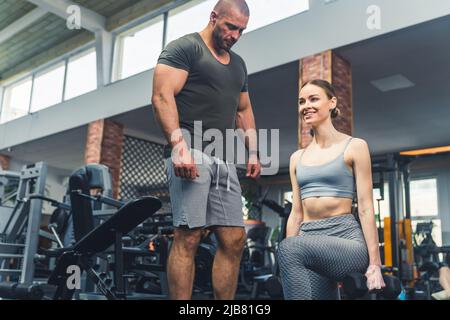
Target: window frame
<point>144,21</point>
<point>42,72</point>
<point>16,83</point>
<point>179,9</point>
<point>426,177</point>
<point>64,59</point>
<point>77,55</point>
<point>121,33</point>
<point>276,21</point>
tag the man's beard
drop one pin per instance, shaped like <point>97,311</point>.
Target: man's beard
<point>219,42</point>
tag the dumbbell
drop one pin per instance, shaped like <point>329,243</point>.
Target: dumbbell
<point>273,287</point>
<point>355,286</point>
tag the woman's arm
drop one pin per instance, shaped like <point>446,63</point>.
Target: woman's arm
<point>362,168</point>
<point>296,215</point>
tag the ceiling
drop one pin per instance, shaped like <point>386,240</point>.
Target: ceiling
<point>40,36</point>
<point>106,8</point>
<point>48,31</point>
<point>409,118</point>
<point>11,10</point>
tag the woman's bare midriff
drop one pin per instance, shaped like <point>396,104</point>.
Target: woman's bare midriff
<point>317,208</point>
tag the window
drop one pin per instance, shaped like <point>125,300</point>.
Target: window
<point>424,198</point>
<point>16,100</point>
<point>9,184</point>
<point>287,196</point>
<point>265,12</point>
<point>262,13</point>
<point>48,88</point>
<point>139,50</point>
<point>181,20</point>
<point>81,74</point>
<point>383,210</point>
<point>424,205</point>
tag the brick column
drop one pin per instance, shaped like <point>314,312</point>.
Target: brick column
<point>4,162</point>
<point>328,66</point>
<point>104,145</point>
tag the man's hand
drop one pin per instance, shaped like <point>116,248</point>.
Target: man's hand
<point>253,167</point>
<point>183,162</point>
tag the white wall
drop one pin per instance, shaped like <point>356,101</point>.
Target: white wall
<point>323,27</point>
<point>16,165</point>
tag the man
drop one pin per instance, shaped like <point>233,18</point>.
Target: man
<point>199,78</point>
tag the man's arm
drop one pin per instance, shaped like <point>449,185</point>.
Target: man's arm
<point>246,121</point>
<point>167,83</point>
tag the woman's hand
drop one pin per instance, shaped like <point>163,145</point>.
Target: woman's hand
<point>374,278</point>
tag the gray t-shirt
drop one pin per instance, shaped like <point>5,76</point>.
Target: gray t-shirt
<point>212,90</point>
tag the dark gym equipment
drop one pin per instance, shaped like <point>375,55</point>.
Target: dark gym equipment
<point>261,279</point>
<point>355,287</point>
<point>99,239</point>
<point>426,256</point>
<point>19,237</point>
<point>13,290</point>
<point>142,263</point>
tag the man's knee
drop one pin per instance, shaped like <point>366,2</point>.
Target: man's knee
<point>186,240</point>
<point>233,242</point>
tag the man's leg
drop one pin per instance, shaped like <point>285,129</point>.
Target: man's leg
<point>180,265</point>
<point>189,202</point>
<point>231,241</point>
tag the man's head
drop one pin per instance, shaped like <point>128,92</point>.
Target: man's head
<point>229,19</point>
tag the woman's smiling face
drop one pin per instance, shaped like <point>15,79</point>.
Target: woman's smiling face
<point>315,106</point>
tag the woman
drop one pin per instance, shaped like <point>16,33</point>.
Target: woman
<point>444,280</point>
<point>324,242</point>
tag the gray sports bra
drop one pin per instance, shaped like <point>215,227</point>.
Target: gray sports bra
<point>332,179</point>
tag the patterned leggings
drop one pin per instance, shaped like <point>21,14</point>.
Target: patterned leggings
<point>323,253</point>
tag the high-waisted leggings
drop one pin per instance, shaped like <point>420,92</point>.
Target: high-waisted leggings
<point>323,253</point>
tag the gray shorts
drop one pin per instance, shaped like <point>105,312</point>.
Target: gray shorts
<point>212,199</point>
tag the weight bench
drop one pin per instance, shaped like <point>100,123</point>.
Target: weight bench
<point>96,241</point>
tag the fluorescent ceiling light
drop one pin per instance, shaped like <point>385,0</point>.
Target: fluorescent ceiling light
<point>392,83</point>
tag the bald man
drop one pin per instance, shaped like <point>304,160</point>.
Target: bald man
<point>199,78</point>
